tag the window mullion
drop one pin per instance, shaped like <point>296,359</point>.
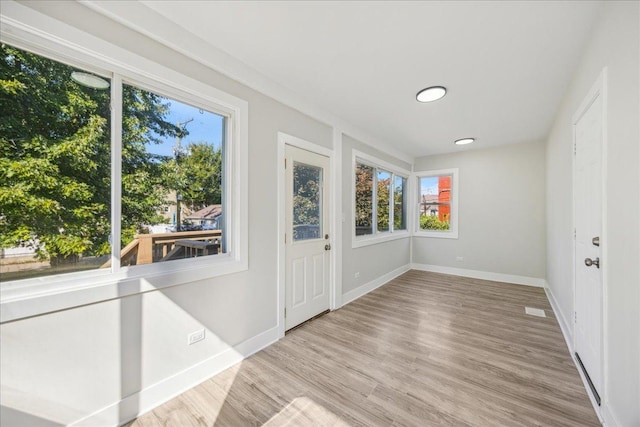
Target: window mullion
<point>418,211</point>
<point>116,170</point>
<point>392,198</point>
<point>374,201</point>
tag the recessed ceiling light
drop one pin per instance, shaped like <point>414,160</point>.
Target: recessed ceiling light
<point>464,141</point>
<point>89,80</point>
<point>432,93</point>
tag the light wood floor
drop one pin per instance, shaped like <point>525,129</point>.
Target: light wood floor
<point>426,349</point>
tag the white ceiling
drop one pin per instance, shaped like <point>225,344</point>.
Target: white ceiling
<point>506,64</point>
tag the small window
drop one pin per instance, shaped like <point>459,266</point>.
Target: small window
<point>379,199</point>
<point>438,196</point>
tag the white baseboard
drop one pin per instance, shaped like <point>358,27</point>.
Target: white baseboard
<point>567,331</point>
<point>602,412</point>
<point>609,420</point>
<point>137,404</point>
<point>484,275</point>
<point>374,284</point>
<point>599,410</point>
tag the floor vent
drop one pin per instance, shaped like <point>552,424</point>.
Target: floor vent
<point>535,311</point>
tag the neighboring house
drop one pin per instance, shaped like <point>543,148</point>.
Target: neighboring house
<point>169,210</point>
<point>444,197</point>
<point>209,218</point>
<point>429,205</point>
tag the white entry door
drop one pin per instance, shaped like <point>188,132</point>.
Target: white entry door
<point>588,316</point>
<point>307,241</point>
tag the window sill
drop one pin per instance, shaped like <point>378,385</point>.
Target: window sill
<point>23,299</point>
<point>372,239</point>
<point>437,234</point>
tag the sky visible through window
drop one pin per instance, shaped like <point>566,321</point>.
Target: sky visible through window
<point>429,185</point>
<point>205,127</point>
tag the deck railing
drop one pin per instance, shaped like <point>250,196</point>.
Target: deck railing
<point>149,248</point>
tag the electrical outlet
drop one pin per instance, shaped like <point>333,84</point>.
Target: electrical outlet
<point>357,275</point>
<point>196,336</point>
<point>459,259</point>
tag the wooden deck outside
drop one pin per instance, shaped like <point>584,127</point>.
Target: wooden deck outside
<point>149,248</point>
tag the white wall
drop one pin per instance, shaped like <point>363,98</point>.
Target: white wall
<point>615,44</point>
<point>117,357</point>
<point>374,261</point>
<point>501,213</point>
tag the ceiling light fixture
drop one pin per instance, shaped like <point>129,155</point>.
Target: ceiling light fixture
<point>430,94</point>
<point>464,141</point>
<point>89,80</point>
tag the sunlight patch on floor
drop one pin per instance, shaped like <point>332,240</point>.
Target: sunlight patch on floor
<point>304,411</point>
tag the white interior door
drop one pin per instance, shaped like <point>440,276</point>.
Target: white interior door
<point>588,228</point>
<point>307,242</point>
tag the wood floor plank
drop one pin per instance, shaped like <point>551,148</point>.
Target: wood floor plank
<point>424,349</point>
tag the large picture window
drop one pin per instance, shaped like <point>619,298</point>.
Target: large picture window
<point>438,203</point>
<point>55,167</point>
<point>62,200</point>
<point>379,200</point>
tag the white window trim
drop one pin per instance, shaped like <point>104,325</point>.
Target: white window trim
<point>377,236</point>
<point>452,233</point>
<point>47,37</point>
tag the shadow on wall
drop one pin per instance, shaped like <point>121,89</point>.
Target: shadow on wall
<point>25,418</point>
<point>148,331</point>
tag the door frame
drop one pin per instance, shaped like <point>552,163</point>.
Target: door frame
<point>599,88</point>
<point>335,239</point>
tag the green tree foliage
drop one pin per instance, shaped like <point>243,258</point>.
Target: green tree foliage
<point>399,219</point>
<point>431,222</point>
<point>55,159</point>
<point>364,198</point>
<point>382,194</point>
<point>196,174</point>
<point>144,187</point>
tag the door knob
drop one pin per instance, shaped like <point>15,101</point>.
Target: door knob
<point>327,247</point>
<point>589,262</point>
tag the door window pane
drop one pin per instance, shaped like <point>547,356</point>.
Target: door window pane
<point>307,202</point>
<point>55,166</point>
<point>364,199</point>
<point>172,169</point>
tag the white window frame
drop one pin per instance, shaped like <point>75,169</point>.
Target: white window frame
<point>452,233</point>
<point>30,297</point>
<point>378,236</point>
